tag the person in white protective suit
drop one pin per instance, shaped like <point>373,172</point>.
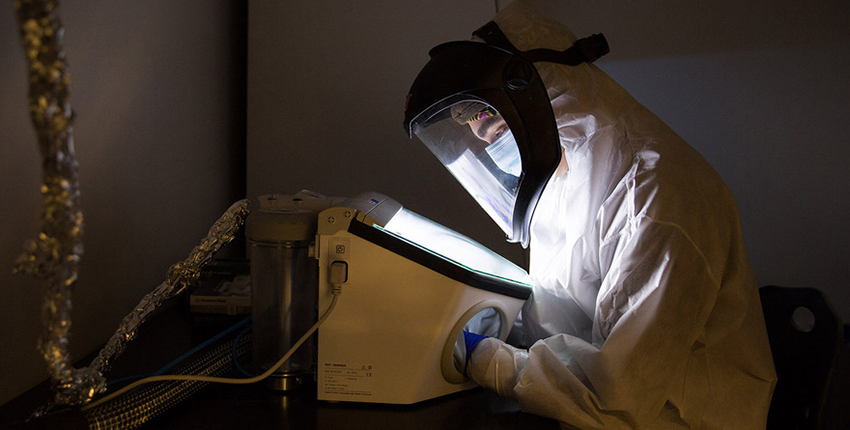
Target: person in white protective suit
<point>645,310</point>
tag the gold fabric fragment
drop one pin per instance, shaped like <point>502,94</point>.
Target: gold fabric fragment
<point>55,254</point>
<point>179,276</point>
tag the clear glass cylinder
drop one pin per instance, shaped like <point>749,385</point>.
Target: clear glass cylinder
<point>284,291</point>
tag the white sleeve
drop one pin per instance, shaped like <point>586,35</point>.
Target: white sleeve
<point>652,310</point>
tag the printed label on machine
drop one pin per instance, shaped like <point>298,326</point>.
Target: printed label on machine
<point>347,379</point>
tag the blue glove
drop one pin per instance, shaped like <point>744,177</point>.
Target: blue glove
<point>471,341</point>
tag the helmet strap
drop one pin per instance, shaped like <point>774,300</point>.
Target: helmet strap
<point>586,50</point>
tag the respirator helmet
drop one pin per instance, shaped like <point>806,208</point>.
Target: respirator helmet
<point>483,110</point>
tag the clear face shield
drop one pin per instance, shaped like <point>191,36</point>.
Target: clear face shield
<point>446,109</point>
<point>476,145</point>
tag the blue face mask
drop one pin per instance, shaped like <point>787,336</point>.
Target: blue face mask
<point>505,154</point>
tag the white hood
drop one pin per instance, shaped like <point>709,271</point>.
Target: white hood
<point>645,310</point>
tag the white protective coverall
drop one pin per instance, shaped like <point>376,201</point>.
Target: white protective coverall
<point>645,311</point>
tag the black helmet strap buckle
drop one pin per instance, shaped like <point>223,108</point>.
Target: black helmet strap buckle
<point>588,49</point>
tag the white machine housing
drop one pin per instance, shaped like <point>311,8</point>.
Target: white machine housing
<point>391,336</point>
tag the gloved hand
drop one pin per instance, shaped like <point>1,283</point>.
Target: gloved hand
<point>470,340</point>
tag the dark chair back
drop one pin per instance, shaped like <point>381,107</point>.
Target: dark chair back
<point>805,339</point>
